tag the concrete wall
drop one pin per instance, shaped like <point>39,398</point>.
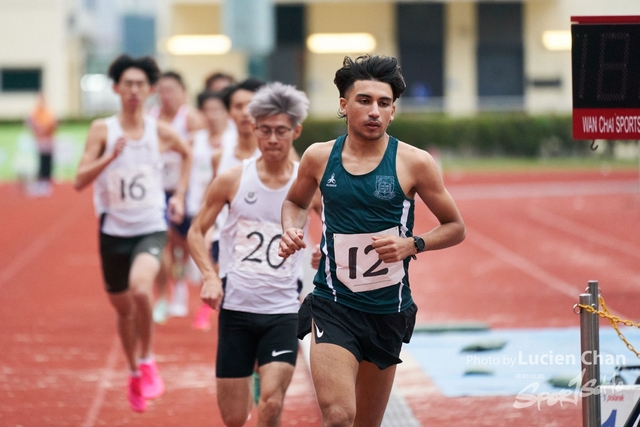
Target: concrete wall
<point>198,19</point>
<point>34,34</point>
<point>460,90</point>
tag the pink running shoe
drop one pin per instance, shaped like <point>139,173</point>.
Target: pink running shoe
<point>151,384</point>
<point>134,395</point>
<point>202,320</point>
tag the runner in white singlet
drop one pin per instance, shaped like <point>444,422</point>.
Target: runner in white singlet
<point>122,157</point>
<point>185,120</point>
<point>258,317</point>
<point>231,153</point>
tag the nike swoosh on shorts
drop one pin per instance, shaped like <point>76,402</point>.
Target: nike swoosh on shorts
<point>319,333</point>
<point>279,353</point>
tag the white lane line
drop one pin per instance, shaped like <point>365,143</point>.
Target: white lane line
<point>546,189</point>
<point>527,267</point>
<point>586,233</point>
<point>103,384</point>
<point>40,243</point>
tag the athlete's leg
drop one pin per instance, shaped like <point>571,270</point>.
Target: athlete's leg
<point>234,400</point>
<point>373,388</point>
<point>125,308</point>
<point>143,273</point>
<point>275,378</point>
<point>334,371</point>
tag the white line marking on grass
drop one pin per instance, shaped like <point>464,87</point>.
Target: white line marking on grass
<point>105,380</point>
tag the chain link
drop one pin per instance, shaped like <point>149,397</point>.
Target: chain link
<point>614,320</point>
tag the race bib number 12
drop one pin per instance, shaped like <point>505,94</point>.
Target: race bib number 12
<point>357,263</point>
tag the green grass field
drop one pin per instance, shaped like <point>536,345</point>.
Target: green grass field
<point>18,156</point>
<point>18,153</point>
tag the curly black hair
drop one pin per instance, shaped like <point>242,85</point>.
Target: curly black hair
<point>123,62</point>
<point>366,67</point>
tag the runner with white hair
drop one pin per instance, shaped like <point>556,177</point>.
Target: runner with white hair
<point>259,314</point>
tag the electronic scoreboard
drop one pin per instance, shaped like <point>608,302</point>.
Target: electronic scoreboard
<point>605,65</point>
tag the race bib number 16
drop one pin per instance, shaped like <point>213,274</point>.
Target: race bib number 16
<point>357,263</point>
<point>133,188</point>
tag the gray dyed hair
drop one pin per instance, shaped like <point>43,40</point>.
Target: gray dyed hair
<point>277,98</point>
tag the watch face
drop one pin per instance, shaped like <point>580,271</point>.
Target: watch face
<point>419,243</point>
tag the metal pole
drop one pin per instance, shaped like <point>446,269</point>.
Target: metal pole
<point>588,356</point>
<point>595,303</point>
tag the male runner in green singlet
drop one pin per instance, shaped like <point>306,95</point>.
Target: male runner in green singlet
<point>361,309</point>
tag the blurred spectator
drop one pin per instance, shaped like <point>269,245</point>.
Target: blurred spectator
<point>43,124</point>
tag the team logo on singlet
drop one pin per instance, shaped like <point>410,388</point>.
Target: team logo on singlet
<point>384,187</point>
<point>251,197</point>
<point>331,182</point>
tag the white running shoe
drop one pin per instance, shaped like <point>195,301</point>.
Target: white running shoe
<point>161,311</point>
<point>179,306</point>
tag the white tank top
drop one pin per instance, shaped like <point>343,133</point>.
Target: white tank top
<point>171,160</point>
<point>129,189</point>
<point>201,172</point>
<point>257,279</point>
<point>228,160</point>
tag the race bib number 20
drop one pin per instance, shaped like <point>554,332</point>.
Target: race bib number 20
<point>256,249</point>
<point>357,263</point>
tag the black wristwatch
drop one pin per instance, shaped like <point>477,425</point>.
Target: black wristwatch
<point>419,243</point>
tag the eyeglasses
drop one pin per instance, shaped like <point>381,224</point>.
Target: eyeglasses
<point>266,131</point>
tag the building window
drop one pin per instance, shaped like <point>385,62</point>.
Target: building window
<point>139,35</point>
<point>20,79</point>
<point>500,56</point>
<point>286,62</point>
<point>420,34</point>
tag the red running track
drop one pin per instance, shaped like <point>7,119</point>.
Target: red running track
<point>533,242</point>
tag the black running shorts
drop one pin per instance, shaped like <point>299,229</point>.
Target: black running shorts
<point>117,255</point>
<point>376,338</point>
<point>244,338</point>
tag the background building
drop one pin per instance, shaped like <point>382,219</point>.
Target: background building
<point>459,57</point>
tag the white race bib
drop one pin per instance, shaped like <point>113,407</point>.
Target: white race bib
<point>357,263</point>
<point>256,249</point>
<point>171,167</point>
<point>132,188</point>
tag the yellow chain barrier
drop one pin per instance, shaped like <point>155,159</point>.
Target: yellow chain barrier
<point>614,320</point>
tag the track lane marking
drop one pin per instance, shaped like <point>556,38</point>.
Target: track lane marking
<point>586,233</point>
<point>39,244</point>
<point>105,379</point>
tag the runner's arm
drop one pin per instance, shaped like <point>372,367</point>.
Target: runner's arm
<point>429,186</point>
<point>94,159</point>
<point>215,160</point>
<point>220,192</point>
<point>195,120</point>
<point>170,140</point>
<point>296,204</point>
